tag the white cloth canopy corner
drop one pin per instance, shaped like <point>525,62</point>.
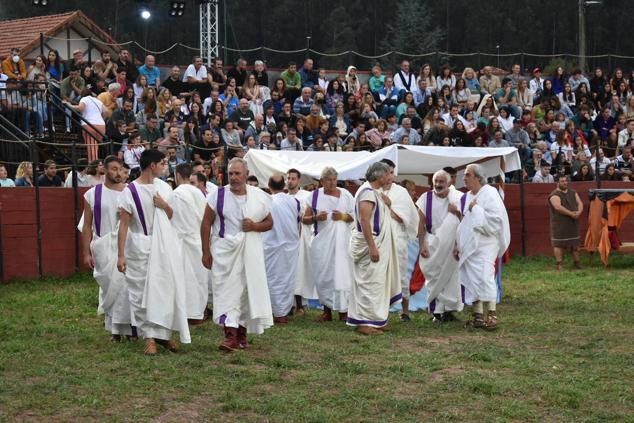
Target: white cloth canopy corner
<point>412,162</point>
<point>349,165</point>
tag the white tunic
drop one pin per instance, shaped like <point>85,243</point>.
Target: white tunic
<point>281,244</point>
<point>189,207</point>
<point>305,286</point>
<point>483,236</point>
<point>441,268</point>
<point>113,292</point>
<point>330,257</point>
<point>376,285</point>
<point>240,291</point>
<point>154,264</point>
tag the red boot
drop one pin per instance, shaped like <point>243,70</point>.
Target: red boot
<point>230,342</point>
<point>242,338</point>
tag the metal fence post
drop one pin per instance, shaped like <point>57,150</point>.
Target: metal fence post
<point>38,218</point>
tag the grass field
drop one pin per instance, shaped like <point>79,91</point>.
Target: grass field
<point>564,352</point>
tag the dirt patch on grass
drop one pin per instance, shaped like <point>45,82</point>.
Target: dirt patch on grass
<point>192,411</point>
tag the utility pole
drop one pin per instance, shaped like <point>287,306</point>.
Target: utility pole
<point>582,35</point>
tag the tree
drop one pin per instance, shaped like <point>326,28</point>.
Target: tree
<point>413,30</point>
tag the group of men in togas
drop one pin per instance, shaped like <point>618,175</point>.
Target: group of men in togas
<point>161,255</point>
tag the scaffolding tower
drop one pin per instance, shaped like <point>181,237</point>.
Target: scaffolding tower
<point>208,30</point>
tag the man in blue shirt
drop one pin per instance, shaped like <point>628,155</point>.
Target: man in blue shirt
<point>151,72</point>
<point>303,103</point>
<point>49,178</point>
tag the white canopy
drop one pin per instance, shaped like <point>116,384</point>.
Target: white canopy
<point>412,162</point>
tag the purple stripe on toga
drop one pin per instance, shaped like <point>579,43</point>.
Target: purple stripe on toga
<point>220,205</point>
<point>97,211</point>
<point>139,206</point>
<point>366,322</point>
<point>377,225</point>
<point>430,197</point>
<point>463,201</point>
<point>313,205</point>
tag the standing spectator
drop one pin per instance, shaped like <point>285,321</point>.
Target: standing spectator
<point>24,175</point>
<point>5,181</point>
<point>13,66</point>
<point>49,178</point>
<point>489,83</point>
<point>151,72</point>
<point>565,208</point>
<point>55,69</point>
<point>71,89</point>
<point>94,126</point>
<point>126,63</point>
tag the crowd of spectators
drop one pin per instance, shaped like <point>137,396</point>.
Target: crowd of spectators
<point>561,123</point>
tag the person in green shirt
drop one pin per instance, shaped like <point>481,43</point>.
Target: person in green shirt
<point>150,134</point>
<point>70,90</point>
<point>377,80</point>
<point>506,96</point>
<point>293,81</point>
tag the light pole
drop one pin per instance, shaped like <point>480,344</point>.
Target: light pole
<point>582,29</point>
<point>145,15</point>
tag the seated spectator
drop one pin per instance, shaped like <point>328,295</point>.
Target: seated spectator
<point>536,85</point>
<point>229,98</point>
<point>577,78</point>
<point>506,119</point>
<point>204,148</point>
<point>286,116</point>
<point>49,178</point>
<point>24,175</point>
<point>543,176</point>
<point>261,77</point>
<point>604,124</point>
<point>584,173</point>
<point>173,82</point>
<point>507,96</point>
<point>309,78</point>
<point>302,104</point>
<point>449,119</point>
<point>377,80</point>
<point>291,142</point>
<point>460,94</point>
<point>5,181</point>
<point>231,137</point>
<point>518,138</point>
<point>489,83</point>
<point>446,77</point>
<point>13,66</point>
<point>472,82</point>
<point>515,76</point>
<point>407,100</point>
<point>196,74</point>
<point>304,134</point>
<point>239,72</point>
<point>627,134</point>
<point>126,63</point>
<point>388,96</point>
<point>406,129</point>
<point>150,71</point>
<point>109,98</point>
<point>611,174</point>
<point>117,131</point>
<point>38,67</point>
<point>534,164</point>
<point>173,140</point>
<point>242,116</point>
<point>340,121</point>
<point>459,136</point>
<point>292,82</point>
<point>423,93</point>
<point>173,160</point>
<point>379,136</point>
<point>361,143</point>
<point>624,164</point>
<point>498,140</point>
<point>315,119</point>
<point>323,81</point>
<point>105,68</point>
<point>603,161</point>
<point>150,132</point>
<point>125,114</point>
<point>216,74</point>
<point>417,122</point>
<point>132,154</point>
<point>351,81</point>
<point>524,95</point>
<point>255,128</point>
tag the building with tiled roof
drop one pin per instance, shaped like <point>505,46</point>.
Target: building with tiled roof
<point>64,32</point>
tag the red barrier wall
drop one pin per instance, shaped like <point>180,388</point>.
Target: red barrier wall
<point>18,226</point>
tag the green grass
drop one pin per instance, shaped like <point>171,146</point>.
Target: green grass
<point>564,352</point>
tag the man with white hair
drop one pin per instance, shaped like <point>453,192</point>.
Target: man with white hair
<point>329,211</point>
<point>483,236</point>
<point>303,103</point>
<point>439,220</point>
<point>376,285</point>
<point>109,98</point>
<point>404,81</point>
<point>406,130</point>
<point>239,214</point>
<point>280,249</point>
<point>404,221</point>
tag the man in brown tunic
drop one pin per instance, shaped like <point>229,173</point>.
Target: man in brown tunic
<point>565,208</point>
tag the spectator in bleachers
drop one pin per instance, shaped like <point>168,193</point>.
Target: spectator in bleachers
<point>120,79</point>
<point>291,142</point>
<point>229,98</point>
<point>292,82</point>
<point>77,61</point>
<point>308,75</point>
<point>217,74</point>
<point>13,66</point>
<point>5,181</point>
<point>517,137</point>
<point>126,114</point>
<point>498,140</point>
<point>379,136</point>
<point>105,68</point>
<point>624,164</point>
<point>610,173</point>
<point>239,72</point>
<point>406,129</point>
<point>407,100</point>
<point>422,93</point>
<point>604,124</point>
<point>255,94</point>
<point>36,68</point>
<point>577,78</point>
<point>524,95</point>
<point>627,134</point>
<point>584,173</point>
<point>515,76</point>
<point>286,115</point>
<point>507,96</point>
<point>377,80</point>
<point>303,103</point>
<point>404,81</point>
<point>460,94</point>
<point>49,178</point>
<point>82,176</point>
<point>24,175</point>
<point>126,63</point>
<point>426,73</point>
<point>543,176</point>
<point>489,83</point>
<point>471,79</point>
<point>151,72</point>
<point>70,89</point>
<point>314,120</point>
<point>617,78</point>
<point>446,77</point>
<point>109,98</point>
<point>351,81</point>
<point>558,79</point>
<point>597,83</point>
<point>242,116</point>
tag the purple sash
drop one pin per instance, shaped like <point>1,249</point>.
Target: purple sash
<point>299,217</point>
<point>377,226</point>
<point>139,207</point>
<point>220,205</point>
<point>314,207</point>
<point>463,201</point>
<point>97,211</point>
<point>430,197</point>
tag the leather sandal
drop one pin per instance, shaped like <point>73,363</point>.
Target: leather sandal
<point>477,322</point>
<point>492,321</point>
